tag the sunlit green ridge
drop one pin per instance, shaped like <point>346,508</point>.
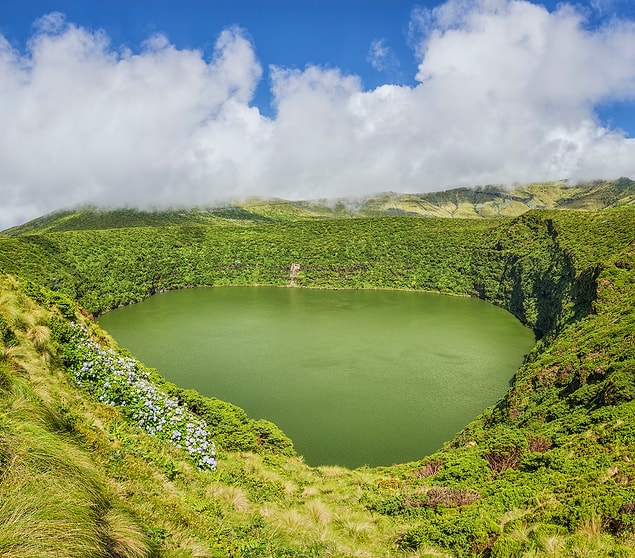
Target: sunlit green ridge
<point>472,203</point>
<point>547,471</point>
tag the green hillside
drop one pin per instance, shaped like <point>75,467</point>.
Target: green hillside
<point>472,203</point>
<point>99,456</point>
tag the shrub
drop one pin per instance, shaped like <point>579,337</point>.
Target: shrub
<point>430,469</point>
<point>501,460</point>
<point>444,496</point>
<point>463,534</point>
<point>121,381</point>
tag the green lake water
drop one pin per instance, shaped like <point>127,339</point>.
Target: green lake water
<point>354,377</point>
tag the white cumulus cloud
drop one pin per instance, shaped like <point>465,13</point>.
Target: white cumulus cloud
<point>505,93</point>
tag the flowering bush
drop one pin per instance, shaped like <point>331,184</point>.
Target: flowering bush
<point>117,380</point>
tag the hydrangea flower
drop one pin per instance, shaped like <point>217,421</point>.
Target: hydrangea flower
<point>121,381</point>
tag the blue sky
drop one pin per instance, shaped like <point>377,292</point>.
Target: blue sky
<point>157,102</point>
<point>289,33</point>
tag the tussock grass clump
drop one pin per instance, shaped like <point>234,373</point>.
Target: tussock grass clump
<point>123,535</point>
<point>15,357</point>
<point>55,501</point>
<point>233,495</point>
<point>358,526</point>
<point>39,335</point>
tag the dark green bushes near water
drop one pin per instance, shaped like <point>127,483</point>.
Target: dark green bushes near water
<point>540,266</point>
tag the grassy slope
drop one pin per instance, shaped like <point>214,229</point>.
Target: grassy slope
<point>546,472</point>
<point>482,202</point>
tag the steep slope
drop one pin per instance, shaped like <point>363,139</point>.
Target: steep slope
<point>83,476</point>
<point>548,471</point>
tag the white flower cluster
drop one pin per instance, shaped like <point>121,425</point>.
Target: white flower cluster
<point>117,380</point>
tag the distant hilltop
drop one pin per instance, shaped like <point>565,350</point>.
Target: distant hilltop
<point>481,202</point>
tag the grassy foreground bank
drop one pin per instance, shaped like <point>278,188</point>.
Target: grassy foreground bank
<point>548,471</point>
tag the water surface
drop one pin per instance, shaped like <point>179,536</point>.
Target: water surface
<point>354,377</point>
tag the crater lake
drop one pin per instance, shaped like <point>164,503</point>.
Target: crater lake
<point>353,377</point>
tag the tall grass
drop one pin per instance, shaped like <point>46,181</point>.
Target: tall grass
<point>39,335</point>
<point>54,502</point>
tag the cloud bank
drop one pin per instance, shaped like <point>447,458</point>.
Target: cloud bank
<point>505,93</point>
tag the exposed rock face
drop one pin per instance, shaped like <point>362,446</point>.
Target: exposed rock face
<point>293,273</point>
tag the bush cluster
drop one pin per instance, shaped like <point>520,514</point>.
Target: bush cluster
<point>121,381</point>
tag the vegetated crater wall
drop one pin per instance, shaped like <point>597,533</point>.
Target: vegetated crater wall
<point>520,264</point>
<point>527,271</point>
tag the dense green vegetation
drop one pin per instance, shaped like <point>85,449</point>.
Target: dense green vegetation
<point>548,471</point>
